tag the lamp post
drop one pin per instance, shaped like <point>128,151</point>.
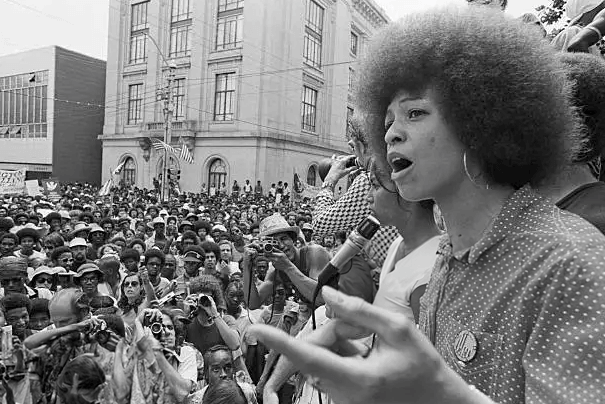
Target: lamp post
<point>167,96</point>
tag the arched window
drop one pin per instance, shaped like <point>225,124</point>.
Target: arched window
<point>217,174</point>
<point>129,172</point>
<point>312,176</point>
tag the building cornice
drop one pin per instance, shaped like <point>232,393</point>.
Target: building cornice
<point>371,12</point>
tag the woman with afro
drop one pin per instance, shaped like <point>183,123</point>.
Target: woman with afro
<point>468,107</point>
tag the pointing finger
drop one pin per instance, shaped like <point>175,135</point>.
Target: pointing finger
<point>308,358</point>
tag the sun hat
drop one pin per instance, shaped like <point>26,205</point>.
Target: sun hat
<point>79,227</point>
<point>78,242</point>
<point>274,224</point>
<point>88,268</point>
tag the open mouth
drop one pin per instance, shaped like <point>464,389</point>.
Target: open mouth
<point>399,164</point>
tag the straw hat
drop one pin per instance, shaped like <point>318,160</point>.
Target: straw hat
<point>276,223</point>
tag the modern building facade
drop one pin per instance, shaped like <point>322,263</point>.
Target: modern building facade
<point>51,112</point>
<point>262,87</point>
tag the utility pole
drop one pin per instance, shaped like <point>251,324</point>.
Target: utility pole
<point>168,96</point>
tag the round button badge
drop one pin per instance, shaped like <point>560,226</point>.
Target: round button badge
<point>465,346</point>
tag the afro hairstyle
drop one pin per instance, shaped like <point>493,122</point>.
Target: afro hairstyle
<point>500,88</point>
<point>587,75</point>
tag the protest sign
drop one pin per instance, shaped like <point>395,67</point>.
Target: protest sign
<point>32,188</point>
<point>52,189</point>
<point>12,182</point>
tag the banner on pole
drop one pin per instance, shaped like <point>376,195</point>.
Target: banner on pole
<point>52,189</point>
<point>12,182</point>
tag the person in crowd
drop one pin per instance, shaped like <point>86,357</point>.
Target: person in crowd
<point>50,242</point>
<point>159,234</point>
<point>218,369</point>
<point>136,295</point>
<point>154,261</point>
<point>329,215</point>
<point>226,262</point>
<point>139,245</point>
<point>28,239</point>
<point>8,244</point>
<point>169,269</point>
<point>88,278</point>
<point>44,278</point>
<point>505,242</point>
<point>578,188</point>
<point>193,260</point>
<point>300,266</point>
<point>107,224</point>
<point>165,371</point>
<point>97,236</point>
<point>585,29</point>
<point>81,381</point>
<point>258,189</point>
<point>110,267</point>
<point>80,230</point>
<point>54,221</point>
<point>16,308</point>
<point>13,278</point>
<point>39,315</point>
<point>62,257</point>
<point>130,258</point>
<point>211,263</point>
<point>209,327</point>
<point>78,247</point>
<point>247,188</point>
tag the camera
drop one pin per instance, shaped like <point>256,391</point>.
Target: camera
<point>325,165</point>
<point>269,245</point>
<point>204,301</point>
<point>100,333</point>
<point>156,327</point>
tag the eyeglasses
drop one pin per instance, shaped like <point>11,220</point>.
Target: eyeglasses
<point>44,279</point>
<point>89,279</point>
<point>134,284</point>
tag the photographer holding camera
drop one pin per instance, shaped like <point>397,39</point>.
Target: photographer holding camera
<point>157,370</point>
<point>301,266</point>
<point>208,327</point>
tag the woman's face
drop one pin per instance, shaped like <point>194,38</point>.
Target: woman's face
<point>424,155</point>
<point>129,235</point>
<point>385,203</point>
<point>132,287</point>
<point>139,248</point>
<point>168,339</point>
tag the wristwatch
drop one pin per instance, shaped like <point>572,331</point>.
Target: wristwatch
<point>329,185</point>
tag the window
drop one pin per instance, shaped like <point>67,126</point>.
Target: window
<point>135,104</point>
<point>228,5</point>
<point>351,79</point>
<point>23,105</point>
<point>309,108</point>
<point>129,173</point>
<point>139,27</point>
<point>354,43</point>
<point>180,29</point>
<point>179,99</point>
<point>312,176</point>
<point>224,97</point>
<point>313,34</point>
<point>230,24</point>
<point>180,10</point>
<point>180,40</point>
<point>217,173</point>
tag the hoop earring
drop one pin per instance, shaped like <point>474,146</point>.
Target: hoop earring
<point>469,176</point>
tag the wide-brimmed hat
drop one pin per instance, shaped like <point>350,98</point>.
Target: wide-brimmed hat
<point>33,231</point>
<point>184,223</point>
<point>44,270</point>
<point>274,224</point>
<point>157,220</point>
<point>9,265</point>
<point>95,228</point>
<point>88,268</point>
<point>78,242</point>
<point>79,227</point>
<point>60,271</point>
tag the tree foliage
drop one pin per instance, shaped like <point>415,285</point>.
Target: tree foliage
<point>552,13</point>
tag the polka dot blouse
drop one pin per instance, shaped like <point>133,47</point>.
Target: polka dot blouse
<point>521,314</point>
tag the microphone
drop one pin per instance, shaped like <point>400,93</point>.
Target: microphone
<point>356,241</point>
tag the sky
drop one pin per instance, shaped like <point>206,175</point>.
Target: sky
<point>81,25</point>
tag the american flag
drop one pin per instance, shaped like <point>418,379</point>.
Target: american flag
<point>119,168</point>
<point>106,188</point>
<point>185,154</point>
<point>159,145</point>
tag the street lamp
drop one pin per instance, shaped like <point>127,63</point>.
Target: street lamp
<point>167,96</point>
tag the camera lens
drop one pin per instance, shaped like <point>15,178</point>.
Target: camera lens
<point>156,328</point>
<point>268,247</point>
<point>205,301</point>
<point>102,337</point>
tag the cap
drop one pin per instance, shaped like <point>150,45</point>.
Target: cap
<point>78,242</point>
<point>87,268</point>
<point>219,227</point>
<point>192,256</point>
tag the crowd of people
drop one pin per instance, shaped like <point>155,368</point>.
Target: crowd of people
<point>479,153</point>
